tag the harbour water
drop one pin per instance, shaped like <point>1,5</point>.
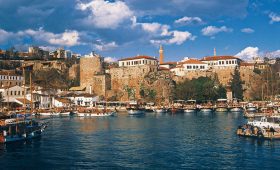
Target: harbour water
<point>153,141</point>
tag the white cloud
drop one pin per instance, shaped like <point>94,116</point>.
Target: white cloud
<point>177,37</point>
<point>212,30</point>
<point>160,33</point>
<point>188,20</point>
<point>274,18</point>
<point>102,46</point>
<point>248,53</point>
<point>247,30</point>
<point>67,38</point>
<point>110,59</point>
<point>273,54</point>
<point>105,14</point>
<point>4,35</point>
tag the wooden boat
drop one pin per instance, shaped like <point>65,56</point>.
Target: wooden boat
<point>13,130</point>
<point>206,107</point>
<point>190,106</point>
<point>221,105</point>
<point>90,112</point>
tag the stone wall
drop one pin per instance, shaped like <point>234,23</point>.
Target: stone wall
<point>74,72</point>
<point>89,67</point>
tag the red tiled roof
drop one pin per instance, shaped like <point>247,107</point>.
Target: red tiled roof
<point>138,57</point>
<point>213,58</point>
<point>192,61</point>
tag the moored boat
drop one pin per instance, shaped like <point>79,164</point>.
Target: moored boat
<point>221,105</point>
<point>13,130</point>
<point>190,106</point>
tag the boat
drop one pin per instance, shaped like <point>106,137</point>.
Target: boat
<point>206,107</point>
<point>250,107</point>
<point>235,106</point>
<point>13,130</point>
<point>134,109</point>
<point>190,106</point>
<point>89,112</point>
<point>264,123</point>
<point>221,105</point>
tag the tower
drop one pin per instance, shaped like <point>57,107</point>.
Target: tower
<point>215,52</point>
<point>161,54</point>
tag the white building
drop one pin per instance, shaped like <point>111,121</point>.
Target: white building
<point>61,102</point>
<point>220,62</point>
<point>10,78</point>
<point>193,64</point>
<point>137,61</point>
<point>84,99</point>
<point>178,70</point>
<point>10,94</point>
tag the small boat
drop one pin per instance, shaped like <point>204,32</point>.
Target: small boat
<point>13,130</point>
<point>206,107</point>
<point>222,105</point>
<point>132,111</point>
<point>251,107</point>
<point>190,106</point>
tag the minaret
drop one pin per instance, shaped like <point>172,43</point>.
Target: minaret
<point>215,52</point>
<point>160,54</point>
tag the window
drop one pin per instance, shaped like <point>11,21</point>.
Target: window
<point>220,62</point>
<point>223,62</point>
<point>11,93</point>
<point>226,62</point>
<point>22,92</point>
<point>18,92</point>
<point>15,93</point>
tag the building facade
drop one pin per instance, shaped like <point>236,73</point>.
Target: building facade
<point>137,61</point>
<point>221,62</point>
<point>10,78</point>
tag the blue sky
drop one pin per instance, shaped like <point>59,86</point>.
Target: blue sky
<point>117,29</point>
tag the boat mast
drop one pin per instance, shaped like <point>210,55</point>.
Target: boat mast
<point>24,100</point>
<point>31,97</point>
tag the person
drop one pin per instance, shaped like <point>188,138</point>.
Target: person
<point>272,130</point>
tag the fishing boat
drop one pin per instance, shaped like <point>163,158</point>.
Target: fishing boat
<point>190,106</point>
<point>13,130</point>
<point>221,105</point>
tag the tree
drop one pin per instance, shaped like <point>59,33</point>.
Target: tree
<point>236,84</point>
<point>202,88</point>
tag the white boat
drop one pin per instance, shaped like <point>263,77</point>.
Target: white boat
<point>206,110</point>
<point>189,110</point>
<point>251,107</point>
<point>263,123</point>
<point>159,110</point>
<point>135,112</point>
<point>236,109</point>
<point>64,113</point>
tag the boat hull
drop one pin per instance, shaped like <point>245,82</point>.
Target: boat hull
<point>221,109</point>
<point>236,109</point>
